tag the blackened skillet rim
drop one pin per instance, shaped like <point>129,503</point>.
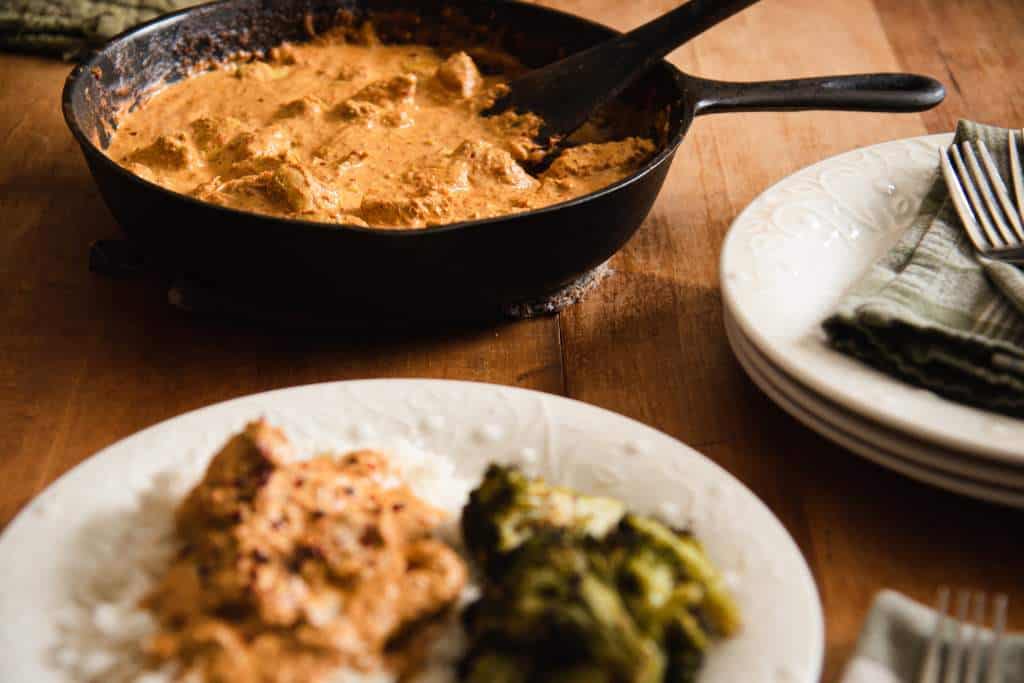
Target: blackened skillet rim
<point>84,69</point>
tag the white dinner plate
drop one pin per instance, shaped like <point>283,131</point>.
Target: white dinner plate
<point>569,442</point>
<point>791,255</point>
<point>806,408</point>
<point>921,452</point>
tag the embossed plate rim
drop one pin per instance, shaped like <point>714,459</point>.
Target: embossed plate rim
<point>803,355</point>
<point>784,634</point>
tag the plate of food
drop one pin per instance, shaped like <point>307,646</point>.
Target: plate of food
<point>411,530</point>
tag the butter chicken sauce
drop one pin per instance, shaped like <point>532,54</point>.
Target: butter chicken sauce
<point>362,134</point>
<point>291,569</point>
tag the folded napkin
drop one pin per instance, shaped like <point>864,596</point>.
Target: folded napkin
<point>67,28</point>
<point>934,314</point>
<point>895,638</point>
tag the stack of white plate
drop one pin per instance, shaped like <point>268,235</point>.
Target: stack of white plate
<point>786,263</point>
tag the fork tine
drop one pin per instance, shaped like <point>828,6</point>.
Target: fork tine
<point>977,207</point>
<point>1002,194</point>
<point>960,201</point>
<point>977,642</point>
<point>983,186</point>
<point>995,664</point>
<point>1016,172</point>
<point>930,666</point>
<point>956,650</point>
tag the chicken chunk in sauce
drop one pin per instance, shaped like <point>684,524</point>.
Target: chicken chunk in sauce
<point>388,136</point>
<point>291,569</point>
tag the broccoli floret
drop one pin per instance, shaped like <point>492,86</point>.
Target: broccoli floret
<point>686,556</point>
<point>495,667</point>
<point>557,601</point>
<point>579,591</point>
<point>508,508</point>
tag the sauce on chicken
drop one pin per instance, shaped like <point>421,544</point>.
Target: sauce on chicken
<point>291,569</point>
<point>366,134</point>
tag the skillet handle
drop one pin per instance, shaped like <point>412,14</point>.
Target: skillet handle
<point>861,92</point>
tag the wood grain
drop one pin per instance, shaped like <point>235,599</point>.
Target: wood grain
<point>651,345</point>
<point>85,361</point>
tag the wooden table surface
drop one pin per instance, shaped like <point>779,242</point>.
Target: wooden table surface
<point>86,361</point>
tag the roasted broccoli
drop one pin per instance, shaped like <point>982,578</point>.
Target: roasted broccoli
<point>577,590</point>
<point>558,608</point>
<point>508,508</point>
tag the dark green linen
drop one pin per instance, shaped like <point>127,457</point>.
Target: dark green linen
<point>935,314</point>
<point>68,28</point>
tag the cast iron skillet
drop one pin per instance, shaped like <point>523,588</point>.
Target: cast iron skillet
<point>459,271</point>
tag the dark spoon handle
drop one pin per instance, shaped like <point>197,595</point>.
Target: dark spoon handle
<point>861,92</point>
<point>566,93</point>
<point>642,47</point>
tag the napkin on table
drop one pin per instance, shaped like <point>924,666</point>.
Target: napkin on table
<point>67,28</point>
<point>894,640</point>
<point>934,314</point>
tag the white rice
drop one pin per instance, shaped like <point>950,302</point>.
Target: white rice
<point>122,556</point>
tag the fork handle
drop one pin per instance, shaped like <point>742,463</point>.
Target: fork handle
<point>1014,255</point>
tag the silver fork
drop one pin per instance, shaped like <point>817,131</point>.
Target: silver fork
<point>979,656</point>
<point>992,219</point>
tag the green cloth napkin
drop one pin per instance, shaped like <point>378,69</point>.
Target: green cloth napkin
<point>895,637</point>
<point>934,314</point>
<point>68,28</point>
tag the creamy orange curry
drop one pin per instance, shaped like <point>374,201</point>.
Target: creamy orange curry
<point>290,569</point>
<point>364,134</point>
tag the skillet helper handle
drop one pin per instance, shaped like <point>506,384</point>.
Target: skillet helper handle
<point>861,92</point>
